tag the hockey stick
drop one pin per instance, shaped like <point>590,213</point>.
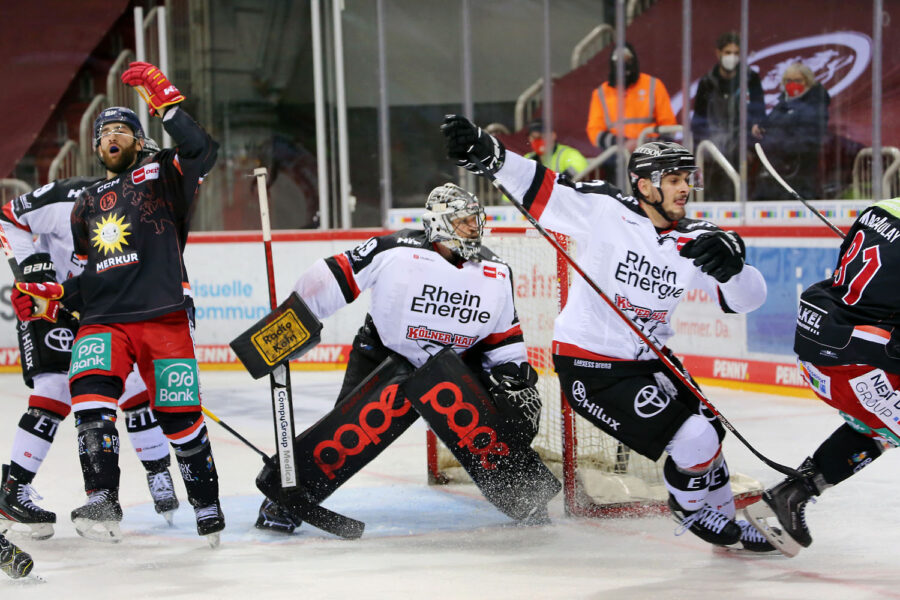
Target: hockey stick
<point>683,377</point>
<point>765,161</point>
<point>317,516</point>
<point>280,378</point>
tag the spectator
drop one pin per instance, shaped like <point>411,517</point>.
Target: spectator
<point>561,158</point>
<point>717,113</point>
<point>792,135</point>
<point>647,104</point>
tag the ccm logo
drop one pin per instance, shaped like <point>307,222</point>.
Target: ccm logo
<point>145,173</point>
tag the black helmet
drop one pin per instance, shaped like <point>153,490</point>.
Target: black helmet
<point>654,159</point>
<point>117,114</point>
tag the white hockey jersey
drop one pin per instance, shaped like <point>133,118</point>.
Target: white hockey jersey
<point>636,265</point>
<point>44,213</point>
<point>420,301</point>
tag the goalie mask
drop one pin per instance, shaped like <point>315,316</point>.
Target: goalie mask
<point>446,210</point>
<point>654,160</point>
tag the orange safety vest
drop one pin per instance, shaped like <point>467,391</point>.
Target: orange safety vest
<point>646,104</point>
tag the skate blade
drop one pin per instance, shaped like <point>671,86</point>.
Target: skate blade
<point>99,531</point>
<point>169,516</point>
<point>214,539</point>
<point>758,515</point>
<point>34,531</point>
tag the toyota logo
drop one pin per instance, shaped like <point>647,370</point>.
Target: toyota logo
<point>649,401</point>
<point>59,339</point>
<point>578,391</point>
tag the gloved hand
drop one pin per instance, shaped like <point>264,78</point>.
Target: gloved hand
<point>465,139</point>
<point>152,85</point>
<point>513,389</point>
<point>33,301</point>
<point>719,254</point>
<point>38,268</point>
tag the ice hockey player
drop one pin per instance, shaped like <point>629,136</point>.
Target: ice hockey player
<point>13,561</point>
<point>848,348</point>
<point>39,232</point>
<point>430,289</point>
<point>644,254</point>
<point>135,303</point>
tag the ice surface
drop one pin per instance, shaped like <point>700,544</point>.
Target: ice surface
<point>447,542</point>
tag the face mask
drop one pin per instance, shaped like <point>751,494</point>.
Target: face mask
<point>730,61</point>
<point>538,145</point>
<point>793,89</point>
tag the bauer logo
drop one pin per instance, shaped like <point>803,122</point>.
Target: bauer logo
<point>177,383</point>
<point>280,338</point>
<point>91,352</point>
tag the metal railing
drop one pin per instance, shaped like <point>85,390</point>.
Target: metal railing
<point>66,163</point>
<point>591,44</point>
<point>661,130</point>
<point>10,188</point>
<point>118,93</point>
<point>862,172</point>
<point>527,103</point>
<point>86,136</point>
<point>707,147</point>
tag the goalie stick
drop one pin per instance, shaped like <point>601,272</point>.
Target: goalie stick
<point>683,377</point>
<point>768,165</point>
<point>280,378</point>
<point>317,516</point>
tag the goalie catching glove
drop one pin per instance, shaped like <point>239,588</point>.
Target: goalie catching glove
<point>513,389</point>
<point>465,141</point>
<point>33,301</point>
<point>157,91</point>
<point>719,254</point>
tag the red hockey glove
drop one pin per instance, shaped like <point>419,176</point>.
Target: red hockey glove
<point>33,301</point>
<point>152,85</point>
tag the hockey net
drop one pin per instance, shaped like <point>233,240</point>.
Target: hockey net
<point>601,476</point>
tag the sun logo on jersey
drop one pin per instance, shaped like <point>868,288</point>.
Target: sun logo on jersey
<point>110,233</point>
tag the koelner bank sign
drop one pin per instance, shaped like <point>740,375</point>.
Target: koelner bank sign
<point>837,59</point>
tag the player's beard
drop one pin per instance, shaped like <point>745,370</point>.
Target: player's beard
<point>122,160</point>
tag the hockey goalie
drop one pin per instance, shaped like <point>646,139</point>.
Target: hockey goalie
<point>441,341</point>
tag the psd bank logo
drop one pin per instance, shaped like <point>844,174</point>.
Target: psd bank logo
<point>837,59</point>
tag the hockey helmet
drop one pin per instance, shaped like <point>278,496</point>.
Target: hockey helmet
<point>445,205</point>
<point>117,114</point>
<point>654,159</point>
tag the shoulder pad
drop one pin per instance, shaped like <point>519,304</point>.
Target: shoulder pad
<point>362,255</point>
<point>63,190</point>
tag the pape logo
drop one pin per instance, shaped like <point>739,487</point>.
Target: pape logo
<point>480,440</point>
<point>374,419</point>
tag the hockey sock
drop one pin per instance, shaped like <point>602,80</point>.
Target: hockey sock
<point>147,437</point>
<point>198,470</point>
<point>690,487</point>
<point>845,453</point>
<point>720,496</point>
<point>98,448</point>
<point>32,441</point>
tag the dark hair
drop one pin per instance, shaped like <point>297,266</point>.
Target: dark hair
<point>729,37</point>
<point>536,126</point>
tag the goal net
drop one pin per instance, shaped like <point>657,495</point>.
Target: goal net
<point>601,476</point>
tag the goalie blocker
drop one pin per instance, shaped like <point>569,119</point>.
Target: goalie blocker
<point>288,332</point>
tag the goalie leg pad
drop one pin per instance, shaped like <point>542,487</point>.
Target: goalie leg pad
<point>360,426</point>
<point>462,414</point>
<point>289,331</point>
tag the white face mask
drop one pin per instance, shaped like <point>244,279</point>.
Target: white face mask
<point>730,61</point>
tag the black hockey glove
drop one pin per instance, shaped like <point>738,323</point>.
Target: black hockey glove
<point>720,254</point>
<point>465,139</point>
<point>38,268</point>
<point>513,389</point>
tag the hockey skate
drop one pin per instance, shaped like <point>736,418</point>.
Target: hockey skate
<point>706,523</point>
<point>163,491</point>
<point>13,561</point>
<point>99,518</point>
<point>210,522</point>
<point>17,506</point>
<point>787,503</point>
<point>752,540</point>
<point>274,518</point>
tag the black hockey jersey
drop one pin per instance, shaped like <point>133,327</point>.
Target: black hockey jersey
<point>39,222</point>
<point>854,317</point>
<point>131,231</point>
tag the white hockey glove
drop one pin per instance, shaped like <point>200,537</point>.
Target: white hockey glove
<point>513,389</point>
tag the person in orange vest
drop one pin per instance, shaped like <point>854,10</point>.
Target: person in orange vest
<point>647,104</point>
